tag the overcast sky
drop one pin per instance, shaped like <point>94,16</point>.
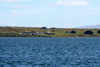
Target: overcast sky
<point>49,13</point>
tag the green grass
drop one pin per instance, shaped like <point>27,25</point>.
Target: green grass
<point>58,31</point>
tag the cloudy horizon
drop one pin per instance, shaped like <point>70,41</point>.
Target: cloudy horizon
<point>49,13</point>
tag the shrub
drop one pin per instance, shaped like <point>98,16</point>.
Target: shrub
<point>88,32</point>
<point>53,30</point>
<point>73,32</point>
<point>44,28</point>
<point>98,31</point>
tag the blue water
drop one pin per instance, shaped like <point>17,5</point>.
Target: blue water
<point>49,52</point>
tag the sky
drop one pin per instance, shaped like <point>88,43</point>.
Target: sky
<point>49,13</point>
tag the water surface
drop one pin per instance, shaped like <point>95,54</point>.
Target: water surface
<point>49,52</point>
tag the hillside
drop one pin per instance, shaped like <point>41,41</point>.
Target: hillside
<point>59,32</point>
<point>91,27</point>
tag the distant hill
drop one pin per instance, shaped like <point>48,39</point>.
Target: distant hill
<point>59,32</point>
<point>91,27</point>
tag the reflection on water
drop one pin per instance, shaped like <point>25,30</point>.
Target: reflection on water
<point>49,52</point>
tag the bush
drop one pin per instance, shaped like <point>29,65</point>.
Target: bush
<point>44,28</point>
<point>73,32</point>
<point>88,32</point>
<point>98,31</point>
<point>53,30</point>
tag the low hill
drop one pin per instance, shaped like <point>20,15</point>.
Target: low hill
<point>59,32</point>
<point>91,27</point>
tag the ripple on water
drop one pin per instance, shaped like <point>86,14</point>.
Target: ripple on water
<point>49,52</point>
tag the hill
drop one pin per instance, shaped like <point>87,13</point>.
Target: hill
<point>59,32</point>
<point>91,27</point>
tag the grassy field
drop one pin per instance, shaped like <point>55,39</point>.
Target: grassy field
<point>59,32</point>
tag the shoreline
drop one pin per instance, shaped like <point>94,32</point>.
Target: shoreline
<point>48,32</point>
<point>52,36</point>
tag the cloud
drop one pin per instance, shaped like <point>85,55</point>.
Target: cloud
<point>1,12</point>
<point>72,3</point>
<point>14,12</point>
<point>14,0</point>
<point>21,6</point>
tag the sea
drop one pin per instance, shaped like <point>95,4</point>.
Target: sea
<point>49,52</point>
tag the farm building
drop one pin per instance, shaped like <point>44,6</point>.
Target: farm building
<point>29,33</point>
<point>67,31</point>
